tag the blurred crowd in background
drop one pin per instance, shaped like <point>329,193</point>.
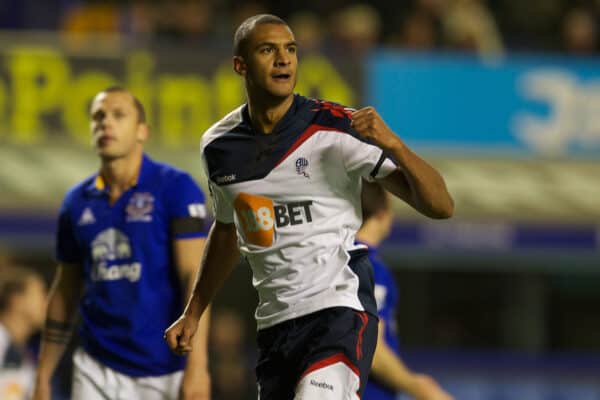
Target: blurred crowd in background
<point>471,303</point>
<point>483,26</point>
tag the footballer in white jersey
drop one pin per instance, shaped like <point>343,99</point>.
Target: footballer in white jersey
<point>285,174</point>
<point>294,196</point>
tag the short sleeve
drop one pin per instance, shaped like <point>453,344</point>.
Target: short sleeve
<point>222,208</point>
<point>187,208</point>
<point>67,249</point>
<point>364,159</point>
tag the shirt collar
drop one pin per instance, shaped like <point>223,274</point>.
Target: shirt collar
<point>287,119</point>
<point>97,185</point>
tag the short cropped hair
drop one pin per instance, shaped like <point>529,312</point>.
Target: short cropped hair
<point>243,32</point>
<point>136,102</point>
<point>374,199</point>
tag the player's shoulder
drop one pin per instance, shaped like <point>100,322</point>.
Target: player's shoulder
<point>168,175</point>
<point>76,193</point>
<point>225,125</point>
<point>163,169</point>
<point>329,114</point>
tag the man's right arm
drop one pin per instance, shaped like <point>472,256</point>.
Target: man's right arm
<point>63,301</point>
<point>389,369</point>
<point>221,255</point>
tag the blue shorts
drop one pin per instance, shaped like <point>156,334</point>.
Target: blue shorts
<point>324,355</point>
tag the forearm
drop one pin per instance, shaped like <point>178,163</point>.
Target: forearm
<point>428,191</point>
<point>389,369</point>
<point>62,306</point>
<point>196,379</point>
<point>50,354</point>
<point>219,259</point>
<point>198,359</point>
<point>197,362</point>
<point>415,182</point>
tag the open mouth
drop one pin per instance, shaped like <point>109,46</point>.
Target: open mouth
<point>281,77</point>
<point>104,140</point>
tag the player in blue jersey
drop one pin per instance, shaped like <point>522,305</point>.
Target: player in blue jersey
<point>130,239</point>
<point>285,176</point>
<point>389,375</point>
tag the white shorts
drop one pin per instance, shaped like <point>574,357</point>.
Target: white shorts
<point>95,381</point>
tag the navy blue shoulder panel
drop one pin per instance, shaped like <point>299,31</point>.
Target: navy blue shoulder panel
<point>336,116</point>
<point>241,154</point>
<point>332,115</point>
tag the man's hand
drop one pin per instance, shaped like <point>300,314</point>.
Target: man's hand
<point>369,124</point>
<point>179,334</point>
<point>195,385</point>
<point>426,388</point>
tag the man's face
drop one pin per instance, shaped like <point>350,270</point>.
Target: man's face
<point>116,130</point>
<point>32,302</point>
<point>271,61</point>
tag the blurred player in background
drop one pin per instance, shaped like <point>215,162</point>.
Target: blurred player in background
<point>22,310</point>
<point>285,174</point>
<point>130,239</point>
<point>389,374</point>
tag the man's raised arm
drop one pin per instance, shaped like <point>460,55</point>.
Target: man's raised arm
<point>415,181</point>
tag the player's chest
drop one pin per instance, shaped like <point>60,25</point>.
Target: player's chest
<point>293,197</point>
<point>297,169</point>
<point>298,179</point>
<point>137,216</point>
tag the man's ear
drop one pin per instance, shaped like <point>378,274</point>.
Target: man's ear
<point>239,65</point>
<point>143,131</point>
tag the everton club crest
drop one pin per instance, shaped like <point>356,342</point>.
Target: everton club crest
<point>140,208</point>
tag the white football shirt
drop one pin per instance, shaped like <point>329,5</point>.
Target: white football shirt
<point>294,196</point>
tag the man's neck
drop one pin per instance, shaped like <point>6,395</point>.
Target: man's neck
<point>121,173</point>
<point>265,115</point>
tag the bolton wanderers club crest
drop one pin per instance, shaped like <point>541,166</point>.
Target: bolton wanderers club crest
<point>301,166</point>
<point>140,207</point>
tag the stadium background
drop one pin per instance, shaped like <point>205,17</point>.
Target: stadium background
<point>503,96</point>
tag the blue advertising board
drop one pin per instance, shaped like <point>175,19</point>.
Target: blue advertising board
<point>538,106</point>
<point>481,375</point>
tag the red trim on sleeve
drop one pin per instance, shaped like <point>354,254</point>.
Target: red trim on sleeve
<point>311,130</point>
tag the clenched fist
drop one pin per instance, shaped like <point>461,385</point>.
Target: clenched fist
<point>179,335</point>
<point>369,124</point>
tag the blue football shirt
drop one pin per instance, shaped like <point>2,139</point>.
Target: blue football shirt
<point>386,296</point>
<point>132,291</point>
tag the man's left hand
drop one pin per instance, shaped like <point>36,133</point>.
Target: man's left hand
<point>369,124</point>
